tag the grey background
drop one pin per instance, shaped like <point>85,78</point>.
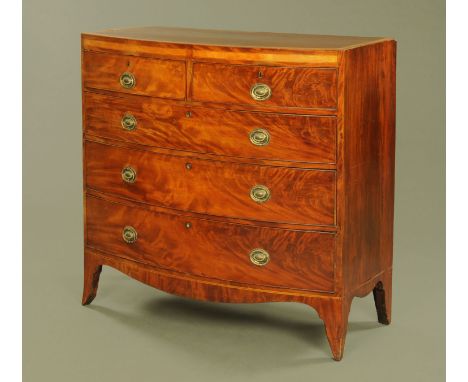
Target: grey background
<point>134,332</point>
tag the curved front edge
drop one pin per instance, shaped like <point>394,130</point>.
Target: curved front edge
<point>331,309</point>
<point>198,288</point>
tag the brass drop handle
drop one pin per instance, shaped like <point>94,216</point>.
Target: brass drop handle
<point>260,193</point>
<point>259,257</point>
<point>260,92</point>
<point>128,122</point>
<point>129,175</point>
<point>259,137</point>
<point>129,234</point>
<point>127,80</point>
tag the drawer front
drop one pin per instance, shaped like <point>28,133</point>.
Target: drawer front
<point>214,187</point>
<point>265,85</point>
<point>293,259</point>
<point>232,133</point>
<point>136,75</point>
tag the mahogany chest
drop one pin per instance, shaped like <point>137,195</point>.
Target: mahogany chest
<point>241,167</point>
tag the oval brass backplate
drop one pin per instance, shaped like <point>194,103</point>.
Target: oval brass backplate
<point>259,257</point>
<point>260,193</point>
<point>127,80</point>
<point>129,175</point>
<point>128,122</point>
<point>129,234</point>
<point>259,137</point>
<point>260,92</point>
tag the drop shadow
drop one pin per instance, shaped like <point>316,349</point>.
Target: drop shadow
<point>221,334</point>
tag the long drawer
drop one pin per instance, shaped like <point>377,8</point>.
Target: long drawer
<point>269,136</point>
<point>244,254</point>
<point>265,193</point>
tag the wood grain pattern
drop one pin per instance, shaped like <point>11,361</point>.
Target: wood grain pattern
<point>291,87</point>
<point>330,309</point>
<point>158,78</point>
<point>329,166</point>
<point>240,39</point>
<point>335,313</point>
<point>213,250</point>
<point>289,57</point>
<point>369,163</point>
<point>240,55</point>
<point>93,269</point>
<point>294,138</point>
<point>220,219</point>
<point>189,155</point>
<point>214,187</point>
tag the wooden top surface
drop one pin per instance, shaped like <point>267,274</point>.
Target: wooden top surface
<point>239,38</point>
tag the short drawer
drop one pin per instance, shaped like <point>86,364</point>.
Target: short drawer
<point>265,85</point>
<point>217,250</point>
<point>136,75</point>
<point>267,136</point>
<point>268,193</point>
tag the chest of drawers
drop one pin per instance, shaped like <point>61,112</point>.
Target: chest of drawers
<point>241,167</point>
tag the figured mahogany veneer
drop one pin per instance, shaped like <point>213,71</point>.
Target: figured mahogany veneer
<point>293,138</point>
<point>158,78</point>
<point>206,248</point>
<point>300,196</point>
<point>291,87</point>
<point>198,138</point>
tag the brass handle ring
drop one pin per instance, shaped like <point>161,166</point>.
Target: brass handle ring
<point>260,92</point>
<point>128,122</point>
<point>259,137</point>
<point>259,257</point>
<point>129,175</point>
<point>127,80</point>
<point>129,234</point>
<point>260,193</point>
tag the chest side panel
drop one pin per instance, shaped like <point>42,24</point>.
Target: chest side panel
<point>369,155</point>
